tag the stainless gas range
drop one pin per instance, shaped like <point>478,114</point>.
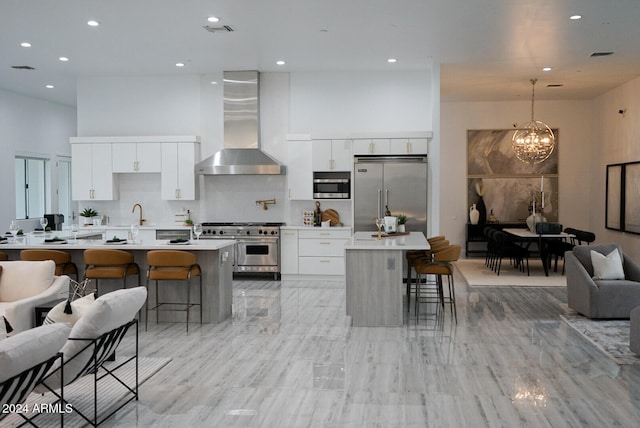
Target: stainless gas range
<point>257,244</point>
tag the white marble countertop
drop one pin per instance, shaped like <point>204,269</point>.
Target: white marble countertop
<point>177,226</point>
<point>38,241</point>
<point>302,227</point>
<point>366,241</point>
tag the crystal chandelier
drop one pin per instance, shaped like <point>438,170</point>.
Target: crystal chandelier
<point>533,142</point>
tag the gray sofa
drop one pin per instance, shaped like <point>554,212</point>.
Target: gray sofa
<point>613,299</point>
<point>634,331</point>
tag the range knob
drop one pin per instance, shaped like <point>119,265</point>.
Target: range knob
<point>273,232</point>
<point>248,232</point>
<point>221,232</point>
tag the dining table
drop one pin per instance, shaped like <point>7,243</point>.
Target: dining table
<point>525,237</point>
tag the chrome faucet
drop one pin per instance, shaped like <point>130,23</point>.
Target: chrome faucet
<point>134,210</point>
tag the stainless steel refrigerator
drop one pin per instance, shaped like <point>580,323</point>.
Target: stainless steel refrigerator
<point>399,182</point>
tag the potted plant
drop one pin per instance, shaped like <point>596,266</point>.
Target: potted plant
<point>402,220</point>
<point>88,214</point>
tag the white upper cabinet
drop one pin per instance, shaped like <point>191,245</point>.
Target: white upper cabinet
<point>91,174</point>
<point>137,157</point>
<point>299,171</point>
<point>372,146</point>
<point>331,155</point>
<point>178,180</point>
<point>408,146</point>
<point>390,146</point>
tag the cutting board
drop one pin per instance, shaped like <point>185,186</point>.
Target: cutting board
<point>332,216</point>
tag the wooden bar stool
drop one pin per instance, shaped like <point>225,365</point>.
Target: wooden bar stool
<point>3,256</point>
<point>418,257</point>
<point>109,264</point>
<point>62,259</point>
<point>442,264</point>
<point>173,265</point>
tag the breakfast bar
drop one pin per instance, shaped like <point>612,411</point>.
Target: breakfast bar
<point>214,256</point>
<point>374,277</point>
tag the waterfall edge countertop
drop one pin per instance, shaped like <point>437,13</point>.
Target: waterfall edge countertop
<point>373,276</point>
<point>215,257</point>
<point>367,241</point>
<point>37,241</point>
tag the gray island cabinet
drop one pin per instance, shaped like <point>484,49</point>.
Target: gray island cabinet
<point>215,256</point>
<point>374,288</point>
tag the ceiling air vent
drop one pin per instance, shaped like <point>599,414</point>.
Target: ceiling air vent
<point>595,54</point>
<point>22,67</point>
<point>222,29</point>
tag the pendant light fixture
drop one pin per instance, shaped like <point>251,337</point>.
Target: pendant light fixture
<point>533,142</point>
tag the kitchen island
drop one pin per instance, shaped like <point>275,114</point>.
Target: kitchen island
<point>374,289</point>
<point>214,256</point>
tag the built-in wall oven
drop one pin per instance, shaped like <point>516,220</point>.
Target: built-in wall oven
<point>332,185</point>
<point>257,246</point>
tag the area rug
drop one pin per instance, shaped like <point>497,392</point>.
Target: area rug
<point>610,336</point>
<point>80,393</point>
<point>477,274</point>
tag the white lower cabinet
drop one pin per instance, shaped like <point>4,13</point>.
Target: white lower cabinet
<point>288,252</point>
<point>321,251</point>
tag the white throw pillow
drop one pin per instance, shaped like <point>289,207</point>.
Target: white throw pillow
<point>107,313</point>
<point>22,279</point>
<point>30,347</point>
<point>607,267</point>
<point>78,308</point>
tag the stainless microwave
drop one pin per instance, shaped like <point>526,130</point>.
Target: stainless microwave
<point>332,185</point>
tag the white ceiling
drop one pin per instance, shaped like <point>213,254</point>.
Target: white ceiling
<point>488,49</point>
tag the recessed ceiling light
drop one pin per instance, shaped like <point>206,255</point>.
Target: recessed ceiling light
<point>281,62</point>
<point>50,86</point>
<point>93,23</point>
<point>25,44</point>
<point>575,17</point>
<point>546,68</point>
<point>179,64</point>
<point>213,19</point>
<point>392,60</point>
<point>63,59</point>
<point>213,82</point>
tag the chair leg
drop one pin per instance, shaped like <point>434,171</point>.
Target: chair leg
<point>452,297</point>
<point>200,299</point>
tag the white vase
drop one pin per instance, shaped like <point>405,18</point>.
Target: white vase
<point>401,228</point>
<point>474,214</point>
<point>534,219</point>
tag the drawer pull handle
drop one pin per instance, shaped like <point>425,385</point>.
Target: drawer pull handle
<point>325,261</point>
<point>325,243</point>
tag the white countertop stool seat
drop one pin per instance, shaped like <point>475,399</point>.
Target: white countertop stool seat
<point>173,265</point>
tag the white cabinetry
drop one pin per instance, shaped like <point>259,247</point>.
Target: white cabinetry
<point>91,174</point>
<point>390,146</point>
<point>331,155</point>
<point>178,181</point>
<point>136,157</point>
<point>288,252</point>
<point>299,172</point>
<point>321,251</point>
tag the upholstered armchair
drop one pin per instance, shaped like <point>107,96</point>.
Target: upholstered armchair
<point>25,285</point>
<point>601,298</point>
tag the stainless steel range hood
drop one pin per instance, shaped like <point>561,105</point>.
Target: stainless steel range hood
<point>241,154</point>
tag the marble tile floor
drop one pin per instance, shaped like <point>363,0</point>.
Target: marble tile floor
<point>288,358</point>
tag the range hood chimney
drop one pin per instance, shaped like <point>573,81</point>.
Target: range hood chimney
<point>241,154</point>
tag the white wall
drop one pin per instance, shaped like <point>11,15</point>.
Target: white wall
<point>341,103</point>
<point>616,139</point>
<point>140,105</point>
<point>574,120</point>
<point>30,126</point>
